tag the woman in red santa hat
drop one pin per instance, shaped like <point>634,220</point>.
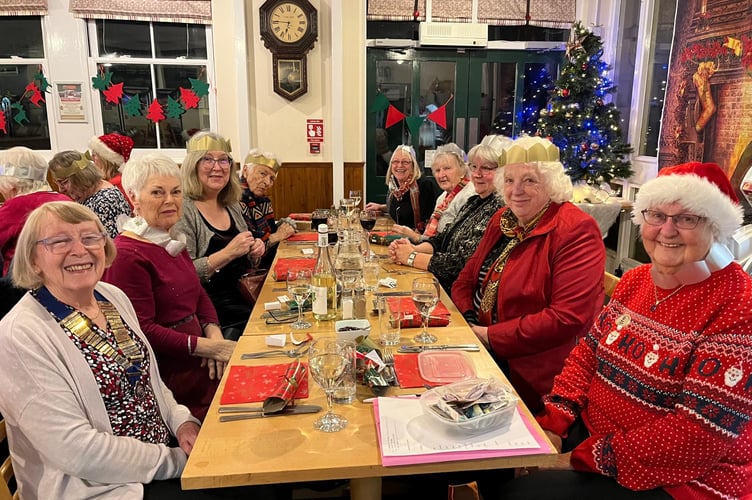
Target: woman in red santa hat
<point>109,153</point>
<point>656,401</point>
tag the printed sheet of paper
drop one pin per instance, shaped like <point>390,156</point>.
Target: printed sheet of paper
<point>405,430</point>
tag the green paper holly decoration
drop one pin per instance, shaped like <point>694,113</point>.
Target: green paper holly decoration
<point>189,98</point>
<point>20,114</point>
<point>34,92</point>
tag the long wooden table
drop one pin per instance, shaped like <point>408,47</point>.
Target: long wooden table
<point>288,449</point>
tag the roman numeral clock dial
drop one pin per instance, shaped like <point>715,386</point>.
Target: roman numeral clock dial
<point>289,29</point>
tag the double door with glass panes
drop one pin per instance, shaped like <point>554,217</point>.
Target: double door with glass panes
<point>449,96</point>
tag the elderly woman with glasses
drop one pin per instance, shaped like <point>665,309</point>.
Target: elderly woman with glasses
<point>411,197</point>
<point>76,176</point>
<point>449,168</point>
<point>656,400</point>
<point>219,241</point>
<point>86,411</point>
<point>535,282</point>
<point>446,253</point>
<point>154,269</point>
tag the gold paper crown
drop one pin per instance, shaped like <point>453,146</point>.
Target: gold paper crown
<point>75,167</point>
<point>260,159</point>
<point>209,143</point>
<point>529,150</point>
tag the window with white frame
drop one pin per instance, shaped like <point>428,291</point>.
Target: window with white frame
<point>153,80</point>
<point>24,89</point>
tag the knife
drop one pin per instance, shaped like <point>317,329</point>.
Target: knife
<point>392,294</point>
<point>295,410</point>
<point>260,409</point>
<point>443,347</point>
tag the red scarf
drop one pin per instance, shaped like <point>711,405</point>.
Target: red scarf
<point>433,223</point>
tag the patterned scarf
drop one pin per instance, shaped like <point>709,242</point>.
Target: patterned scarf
<point>258,213</point>
<point>433,223</point>
<point>398,192</point>
<point>490,288</point>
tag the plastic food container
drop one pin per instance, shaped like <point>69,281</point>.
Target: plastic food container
<point>444,367</point>
<point>495,419</point>
<point>352,329</point>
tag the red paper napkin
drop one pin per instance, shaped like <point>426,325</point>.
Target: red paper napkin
<point>284,264</point>
<point>408,373</point>
<point>253,384</point>
<point>301,216</point>
<point>303,237</point>
<point>406,307</point>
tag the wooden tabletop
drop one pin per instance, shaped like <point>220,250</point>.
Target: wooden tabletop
<point>288,449</point>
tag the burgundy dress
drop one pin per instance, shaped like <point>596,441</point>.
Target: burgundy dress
<point>171,306</point>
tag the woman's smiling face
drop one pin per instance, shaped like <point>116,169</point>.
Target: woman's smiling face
<point>402,165</point>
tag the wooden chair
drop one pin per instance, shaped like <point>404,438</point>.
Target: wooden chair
<point>6,469</point>
<point>609,283</point>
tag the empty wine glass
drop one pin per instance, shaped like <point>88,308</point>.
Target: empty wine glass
<point>327,362</point>
<point>299,286</point>
<point>356,197</point>
<point>426,292</point>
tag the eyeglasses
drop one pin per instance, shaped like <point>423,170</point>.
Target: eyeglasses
<point>64,244</point>
<point>404,163</point>
<point>209,162</point>
<point>484,169</point>
<point>682,221</point>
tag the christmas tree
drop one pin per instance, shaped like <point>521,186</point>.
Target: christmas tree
<point>578,119</point>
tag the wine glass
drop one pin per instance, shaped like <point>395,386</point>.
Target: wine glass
<point>367,222</point>
<point>327,362</point>
<point>356,197</point>
<point>425,294</point>
<point>299,286</point>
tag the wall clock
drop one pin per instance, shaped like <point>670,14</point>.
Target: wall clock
<point>289,29</point>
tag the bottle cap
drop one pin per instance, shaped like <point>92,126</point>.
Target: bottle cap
<point>323,228</point>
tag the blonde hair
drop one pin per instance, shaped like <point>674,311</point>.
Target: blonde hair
<point>67,211</point>
<point>192,187</point>
<point>410,151</point>
<point>82,180</point>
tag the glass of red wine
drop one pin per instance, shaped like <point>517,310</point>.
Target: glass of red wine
<point>318,217</point>
<point>367,222</point>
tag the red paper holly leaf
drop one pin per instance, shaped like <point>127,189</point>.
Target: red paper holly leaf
<point>189,98</point>
<point>114,93</point>
<point>3,123</point>
<point>155,113</point>
<point>393,116</point>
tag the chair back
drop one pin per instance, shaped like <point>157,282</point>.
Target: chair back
<point>6,468</point>
<point>609,283</point>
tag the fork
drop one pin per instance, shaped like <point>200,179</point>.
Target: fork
<point>293,353</point>
<point>391,374</point>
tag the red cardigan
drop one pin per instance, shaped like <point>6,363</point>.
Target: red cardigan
<point>551,290</point>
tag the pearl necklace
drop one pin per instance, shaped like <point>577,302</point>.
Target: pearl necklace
<point>659,301</point>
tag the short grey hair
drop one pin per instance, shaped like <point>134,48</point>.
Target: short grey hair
<point>20,158</point>
<point>453,151</point>
<point>67,211</point>
<point>137,171</point>
<point>555,181</point>
<point>482,153</point>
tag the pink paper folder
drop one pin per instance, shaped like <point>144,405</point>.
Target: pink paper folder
<point>388,461</point>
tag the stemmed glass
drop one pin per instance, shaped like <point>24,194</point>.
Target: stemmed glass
<point>327,362</point>
<point>356,197</point>
<point>299,286</point>
<point>367,222</point>
<point>426,292</point>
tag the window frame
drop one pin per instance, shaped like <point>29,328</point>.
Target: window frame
<point>95,60</point>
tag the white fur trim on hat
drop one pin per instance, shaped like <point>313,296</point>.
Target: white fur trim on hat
<point>697,195</point>
<point>101,149</point>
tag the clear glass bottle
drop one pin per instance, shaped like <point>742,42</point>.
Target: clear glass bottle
<point>323,282</point>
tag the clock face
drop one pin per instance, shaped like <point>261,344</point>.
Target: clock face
<point>288,22</point>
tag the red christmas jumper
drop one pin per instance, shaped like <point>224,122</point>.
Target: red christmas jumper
<point>667,398</point>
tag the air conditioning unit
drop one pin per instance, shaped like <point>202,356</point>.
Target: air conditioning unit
<point>454,34</point>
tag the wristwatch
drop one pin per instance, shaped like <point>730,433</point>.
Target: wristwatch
<point>411,259</point>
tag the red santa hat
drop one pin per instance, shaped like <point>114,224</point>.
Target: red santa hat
<point>114,148</point>
<point>702,189</point>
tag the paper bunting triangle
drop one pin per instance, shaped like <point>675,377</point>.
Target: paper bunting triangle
<point>438,117</point>
<point>393,116</point>
<point>414,123</point>
<point>380,103</point>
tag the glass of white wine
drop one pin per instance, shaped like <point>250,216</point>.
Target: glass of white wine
<point>327,363</point>
<point>425,293</point>
<point>299,286</point>
<point>356,197</point>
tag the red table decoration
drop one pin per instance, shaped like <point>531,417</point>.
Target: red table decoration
<point>253,384</point>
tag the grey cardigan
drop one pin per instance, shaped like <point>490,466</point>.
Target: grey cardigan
<point>198,235</point>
